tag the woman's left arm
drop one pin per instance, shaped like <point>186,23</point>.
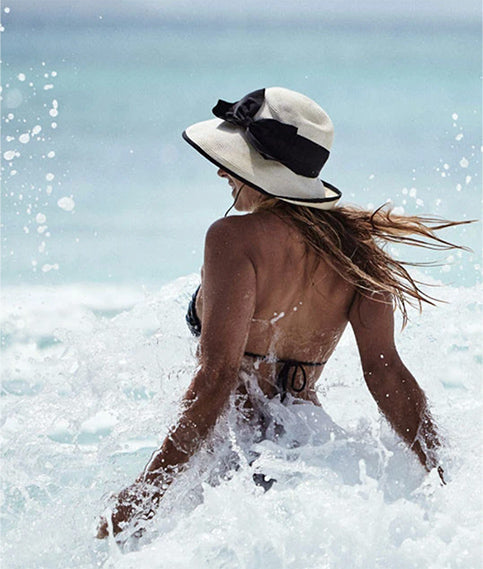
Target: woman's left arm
<point>229,291</point>
<point>395,390</point>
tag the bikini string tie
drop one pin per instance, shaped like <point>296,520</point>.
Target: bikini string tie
<point>292,366</point>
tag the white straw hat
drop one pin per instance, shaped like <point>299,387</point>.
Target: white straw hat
<point>275,140</point>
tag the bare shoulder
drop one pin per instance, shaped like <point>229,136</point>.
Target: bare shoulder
<point>245,231</point>
<point>224,237</point>
<point>224,228</point>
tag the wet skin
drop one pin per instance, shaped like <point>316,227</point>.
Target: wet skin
<point>301,306</point>
<point>263,292</point>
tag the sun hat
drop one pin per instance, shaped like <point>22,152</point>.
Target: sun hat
<point>275,140</point>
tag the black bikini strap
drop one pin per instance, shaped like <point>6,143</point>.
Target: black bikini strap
<point>281,361</point>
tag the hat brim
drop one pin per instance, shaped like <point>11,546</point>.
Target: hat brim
<point>224,145</point>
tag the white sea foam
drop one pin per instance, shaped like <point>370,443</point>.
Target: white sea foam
<point>91,381</point>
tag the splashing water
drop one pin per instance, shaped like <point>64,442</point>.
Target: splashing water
<point>28,181</point>
<point>92,380</point>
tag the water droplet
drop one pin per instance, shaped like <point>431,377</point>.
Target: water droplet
<point>66,203</point>
<point>9,155</point>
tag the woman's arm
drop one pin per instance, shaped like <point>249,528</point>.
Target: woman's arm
<point>229,290</point>
<point>393,387</point>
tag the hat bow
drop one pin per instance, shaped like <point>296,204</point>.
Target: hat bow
<point>272,139</point>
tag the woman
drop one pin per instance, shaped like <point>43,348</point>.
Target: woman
<point>280,285</point>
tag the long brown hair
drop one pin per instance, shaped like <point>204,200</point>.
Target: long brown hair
<point>352,240</point>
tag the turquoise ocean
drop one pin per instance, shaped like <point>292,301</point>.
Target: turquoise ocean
<point>104,211</point>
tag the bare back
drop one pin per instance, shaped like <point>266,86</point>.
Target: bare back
<point>301,304</point>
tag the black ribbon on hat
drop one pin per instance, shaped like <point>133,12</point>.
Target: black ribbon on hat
<point>273,139</point>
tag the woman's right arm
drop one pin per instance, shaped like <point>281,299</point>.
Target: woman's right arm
<point>393,387</point>
<point>229,291</point>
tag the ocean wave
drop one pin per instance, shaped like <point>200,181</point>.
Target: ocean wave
<point>92,379</point>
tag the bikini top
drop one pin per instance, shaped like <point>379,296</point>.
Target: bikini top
<point>290,369</point>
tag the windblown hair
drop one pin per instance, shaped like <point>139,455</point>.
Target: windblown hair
<point>352,241</point>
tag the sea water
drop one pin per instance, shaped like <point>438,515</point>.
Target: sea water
<point>92,380</point>
<point>102,204</point>
<point>99,186</point>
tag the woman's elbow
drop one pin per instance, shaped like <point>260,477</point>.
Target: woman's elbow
<point>391,384</point>
<point>215,382</point>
